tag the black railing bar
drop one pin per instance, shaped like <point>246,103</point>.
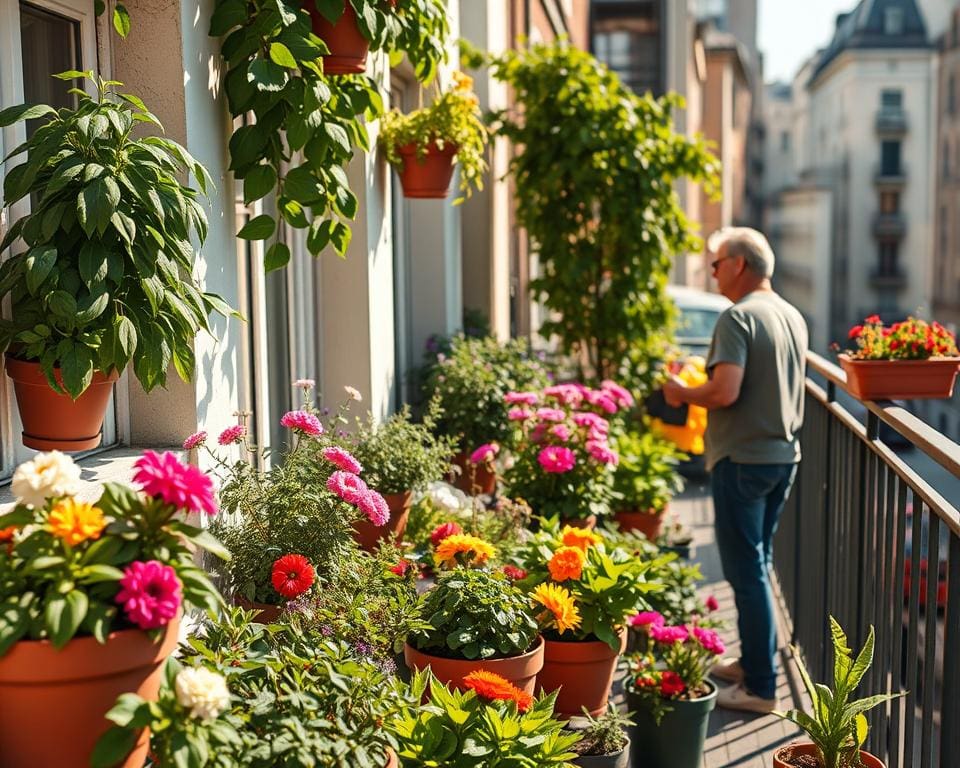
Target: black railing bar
<point>950,735</point>
<point>929,639</point>
<point>842,414</point>
<point>914,623</point>
<point>897,615</point>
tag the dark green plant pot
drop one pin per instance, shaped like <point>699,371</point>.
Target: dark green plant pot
<point>678,741</point>
<point>619,759</point>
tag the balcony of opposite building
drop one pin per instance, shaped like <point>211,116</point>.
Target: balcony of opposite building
<point>889,176</point>
<point>891,122</point>
<point>888,278</point>
<point>889,225</point>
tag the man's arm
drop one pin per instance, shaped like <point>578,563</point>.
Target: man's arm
<point>720,391</point>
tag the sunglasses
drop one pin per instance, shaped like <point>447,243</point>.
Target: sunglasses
<point>716,262</point>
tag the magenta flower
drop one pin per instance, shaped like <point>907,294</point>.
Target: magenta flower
<point>557,459</point>
<point>347,486</point>
<point>233,434</point>
<point>647,619</point>
<point>519,414</point>
<point>342,459</point>
<point>601,452</point>
<point>561,432</point>
<point>620,394</point>
<point>568,394</point>
<point>602,400</point>
<point>484,453</point>
<point>302,421</point>
<point>592,421</point>
<point>669,634</point>
<point>195,440</point>
<point>537,433</point>
<point>711,604</point>
<point>164,476</point>
<point>550,414</point>
<point>710,640</point>
<point>520,398</point>
<point>374,506</point>
<point>150,594</point>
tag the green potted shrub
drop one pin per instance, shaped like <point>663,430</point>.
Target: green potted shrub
<point>424,144</point>
<point>645,480</point>
<point>106,277</point>
<point>399,458</point>
<point>604,742</point>
<point>836,725</point>
<point>477,620</point>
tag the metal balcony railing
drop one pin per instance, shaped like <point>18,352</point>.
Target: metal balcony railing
<point>870,541</point>
<point>891,121</point>
<point>889,225</point>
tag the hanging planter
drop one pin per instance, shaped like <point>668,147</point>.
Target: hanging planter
<point>70,690</point>
<point>55,421</point>
<point>369,536</point>
<point>348,47</point>
<point>800,754</point>
<point>677,741</point>
<point>901,379</point>
<point>427,176</point>
<point>583,671</point>
<point>520,670</point>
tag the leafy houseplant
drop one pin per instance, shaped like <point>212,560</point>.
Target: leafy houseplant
<point>604,742</point>
<point>645,480</point>
<point>106,277</point>
<point>424,144</point>
<point>91,596</point>
<point>907,360</point>
<point>837,726</point>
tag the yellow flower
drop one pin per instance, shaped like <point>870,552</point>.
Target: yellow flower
<point>579,537</point>
<point>474,549</point>
<point>566,563</point>
<point>561,605</point>
<point>74,521</point>
<point>462,82</point>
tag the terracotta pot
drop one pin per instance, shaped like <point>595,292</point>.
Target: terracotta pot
<point>267,613</point>
<point>619,759</point>
<point>54,702</point>
<point>348,47</point>
<point>52,421</point>
<point>429,176</point>
<point>781,758</point>
<point>473,478</point>
<point>901,379</point>
<point>582,671</point>
<point>589,523</point>
<point>368,535</point>
<point>648,522</point>
<point>520,670</point>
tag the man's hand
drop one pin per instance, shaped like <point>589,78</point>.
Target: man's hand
<point>673,391</point>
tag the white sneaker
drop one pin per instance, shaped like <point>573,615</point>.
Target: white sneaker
<point>738,697</point>
<point>727,670</point>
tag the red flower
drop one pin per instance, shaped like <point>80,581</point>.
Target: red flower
<point>671,684</point>
<point>292,575</point>
<point>514,573</point>
<point>442,531</point>
<point>855,331</point>
<point>711,603</point>
<point>402,567</point>
<point>873,319</point>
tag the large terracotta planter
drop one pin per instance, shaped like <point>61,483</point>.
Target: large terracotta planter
<point>52,703</point>
<point>583,673</point>
<point>348,47</point>
<point>473,478</point>
<point>521,670</point>
<point>677,740</point>
<point>781,758</point>
<point>266,613</point>
<point>648,522</point>
<point>52,421</point>
<point>901,379</point>
<point>428,176</point>
<point>368,535</point>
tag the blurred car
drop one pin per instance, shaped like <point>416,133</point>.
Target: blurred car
<point>697,315</point>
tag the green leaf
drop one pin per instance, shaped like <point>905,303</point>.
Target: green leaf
<point>280,54</point>
<point>267,76</point>
<point>340,238</point>
<point>319,235</point>
<point>12,115</point>
<point>113,747</point>
<point>121,20</point>
<point>76,367</point>
<point>302,185</point>
<point>227,15</point>
<point>63,615</point>
<point>39,262</point>
<point>126,336</point>
<point>63,305</point>
<point>93,262</point>
<point>259,228</point>
<point>276,257</point>
<point>338,135</point>
<point>259,181</point>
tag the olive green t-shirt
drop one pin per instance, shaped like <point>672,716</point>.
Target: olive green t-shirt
<point>767,337</point>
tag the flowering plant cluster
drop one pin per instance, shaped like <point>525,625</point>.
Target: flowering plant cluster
<point>583,590</point>
<point>69,566</point>
<point>676,667</point>
<point>912,339</point>
<point>563,461</point>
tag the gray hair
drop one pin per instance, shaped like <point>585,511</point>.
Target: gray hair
<point>746,242</point>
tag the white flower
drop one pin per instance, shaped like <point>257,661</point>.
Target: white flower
<point>353,393</point>
<point>203,691</point>
<point>304,383</point>
<point>447,497</point>
<point>46,476</point>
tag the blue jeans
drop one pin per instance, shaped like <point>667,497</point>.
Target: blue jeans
<point>747,501</point>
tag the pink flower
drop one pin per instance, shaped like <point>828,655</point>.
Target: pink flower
<point>557,459</point>
<point>342,459</point>
<point>568,394</point>
<point>602,400</point>
<point>592,421</point>
<point>443,530</point>
<point>561,432</point>
<point>711,604</point>
<point>519,414</point>
<point>302,421</point>
<point>164,476</point>
<point>601,452</point>
<point>647,619</point>
<point>513,572</point>
<point>374,506</point>
<point>669,634</point>
<point>550,414</point>
<point>348,486</point>
<point>710,640</point>
<point>620,394</point>
<point>521,398</point>
<point>304,383</point>
<point>233,434</point>
<point>537,433</point>
<point>484,453</point>
<point>150,594</point>
<point>195,440</point>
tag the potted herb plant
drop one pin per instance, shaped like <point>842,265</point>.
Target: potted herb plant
<point>836,726</point>
<point>604,742</point>
<point>668,690</point>
<point>424,144</point>
<point>399,458</point>
<point>584,594</point>
<point>905,361</point>
<point>645,480</point>
<point>106,275</point>
<point>91,596</point>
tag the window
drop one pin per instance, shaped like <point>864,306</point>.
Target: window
<point>893,21</point>
<point>890,158</point>
<point>630,43</point>
<point>889,202</point>
<point>952,94</point>
<point>887,266</point>
<point>891,99</point>
<point>945,158</point>
<point>785,141</point>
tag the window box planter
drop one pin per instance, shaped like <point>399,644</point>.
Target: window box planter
<point>932,378</point>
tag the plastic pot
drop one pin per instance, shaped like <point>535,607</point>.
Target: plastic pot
<point>677,742</point>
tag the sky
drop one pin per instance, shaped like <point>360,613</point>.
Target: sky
<point>791,31</point>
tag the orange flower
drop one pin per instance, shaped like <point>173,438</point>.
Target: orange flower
<point>6,534</point>
<point>75,521</point>
<point>490,686</point>
<point>567,563</point>
<point>462,548</point>
<point>560,603</point>
<point>579,537</point>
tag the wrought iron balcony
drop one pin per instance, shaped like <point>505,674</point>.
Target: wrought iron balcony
<point>887,278</point>
<point>890,177</point>
<point>891,122</point>
<point>889,225</point>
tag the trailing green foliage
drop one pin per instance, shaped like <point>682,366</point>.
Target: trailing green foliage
<point>107,274</point>
<point>595,174</point>
<point>646,477</point>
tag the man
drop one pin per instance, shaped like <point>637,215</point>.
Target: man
<point>755,397</point>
